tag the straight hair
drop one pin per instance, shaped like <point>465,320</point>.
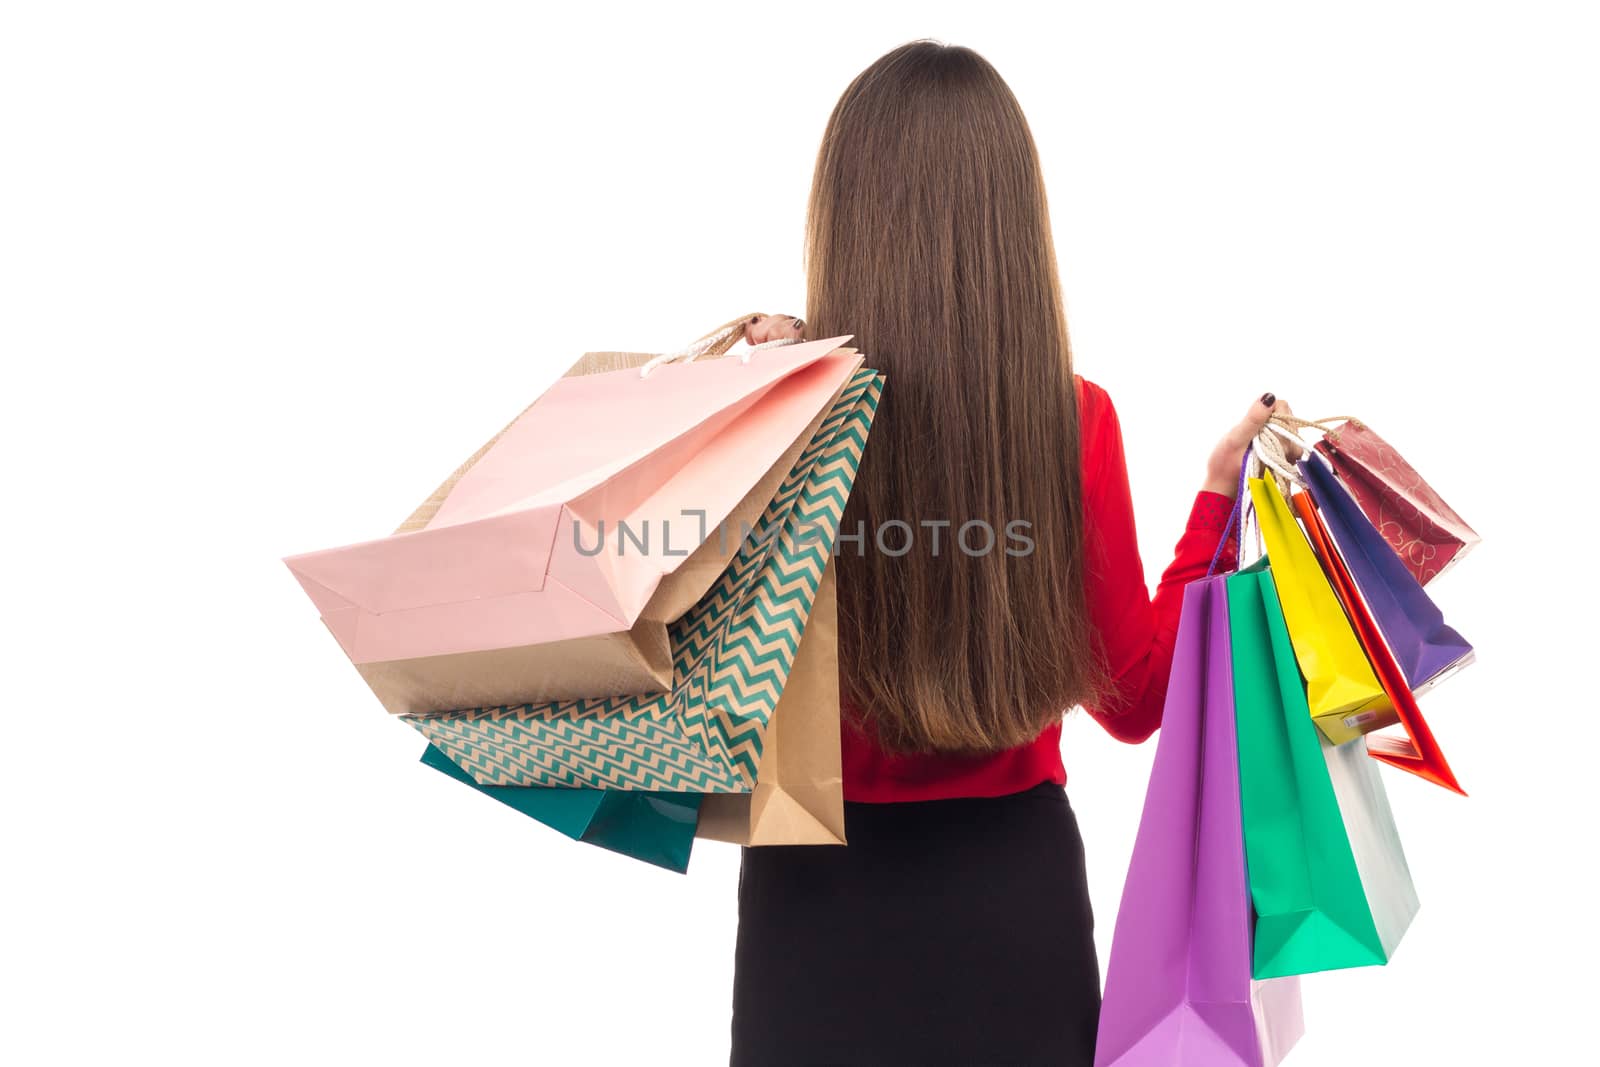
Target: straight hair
<point>928,239</point>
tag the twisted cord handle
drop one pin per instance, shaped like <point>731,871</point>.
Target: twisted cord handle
<point>1294,422</point>
<point>1270,450</point>
<point>715,343</point>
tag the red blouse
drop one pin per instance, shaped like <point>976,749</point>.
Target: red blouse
<point>1136,631</point>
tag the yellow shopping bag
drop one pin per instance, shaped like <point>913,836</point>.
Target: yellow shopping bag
<point>1345,697</point>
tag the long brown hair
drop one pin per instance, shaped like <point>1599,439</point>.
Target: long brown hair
<point>928,239</point>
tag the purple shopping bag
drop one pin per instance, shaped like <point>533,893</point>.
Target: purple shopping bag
<point>1178,988</point>
<point>1413,627</point>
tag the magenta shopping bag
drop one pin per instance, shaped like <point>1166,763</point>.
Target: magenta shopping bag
<point>1178,988</point>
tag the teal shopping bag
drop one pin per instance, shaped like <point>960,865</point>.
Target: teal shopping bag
<point>654,827</point>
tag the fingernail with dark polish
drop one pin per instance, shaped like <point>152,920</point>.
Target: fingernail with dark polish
<point>1267,400</point>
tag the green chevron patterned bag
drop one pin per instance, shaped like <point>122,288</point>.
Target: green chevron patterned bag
<point>732,656</point>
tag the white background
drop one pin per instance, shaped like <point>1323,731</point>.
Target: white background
<point>269,271</point>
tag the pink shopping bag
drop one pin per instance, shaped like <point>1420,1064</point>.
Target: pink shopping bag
<point>548,566</point>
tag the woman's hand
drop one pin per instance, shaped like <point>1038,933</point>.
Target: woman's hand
<point>1222,469</point>
<point>772,328</point>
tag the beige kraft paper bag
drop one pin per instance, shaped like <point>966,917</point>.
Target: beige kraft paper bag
<point>799,796</point>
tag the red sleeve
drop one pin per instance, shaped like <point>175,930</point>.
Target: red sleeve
<point>1135,631</point>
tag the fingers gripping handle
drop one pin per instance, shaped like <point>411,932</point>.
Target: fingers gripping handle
<point>1267,453</point>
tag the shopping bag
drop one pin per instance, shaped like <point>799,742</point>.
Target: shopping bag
<point>1343,693</point>
<point>734,653</point>
<point>1374,839</point>
<point>798,795</point>
<point>796,798</point>
<point>1327,876</point>
<point>1425,532</point>
<point>1178,987</point>
<point>1416,751</point>
<point>658,828</point>
<point>550,564</point>
<point>1413,627</point>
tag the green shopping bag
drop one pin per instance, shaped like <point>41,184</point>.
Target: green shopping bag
<point>657,828</point>
<point>1327,876</point>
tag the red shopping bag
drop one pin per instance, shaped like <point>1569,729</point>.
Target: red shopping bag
<point>1424,531</point>
<point>1417,752</point>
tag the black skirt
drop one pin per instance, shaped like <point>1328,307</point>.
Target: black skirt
<point>946,932</point>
